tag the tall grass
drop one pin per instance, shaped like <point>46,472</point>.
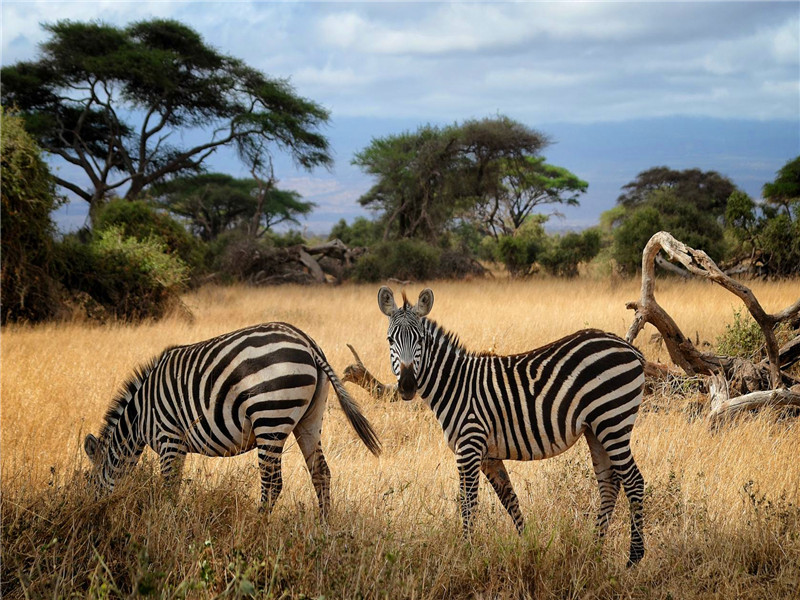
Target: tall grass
<point>722,516</point>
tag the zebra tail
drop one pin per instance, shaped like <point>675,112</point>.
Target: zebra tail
<point>351,409</point>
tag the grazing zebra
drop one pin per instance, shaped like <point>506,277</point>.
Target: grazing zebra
<point>246,389</point>
<point>526,406</point>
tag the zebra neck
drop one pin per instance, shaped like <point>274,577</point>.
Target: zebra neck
<point>126,437</point>
<point>444,362</point>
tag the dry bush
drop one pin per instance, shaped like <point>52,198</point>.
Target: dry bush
<point>722,516</point>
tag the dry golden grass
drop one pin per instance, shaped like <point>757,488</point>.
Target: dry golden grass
<point>722,516</point>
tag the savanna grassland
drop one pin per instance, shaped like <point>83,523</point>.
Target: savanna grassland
<point>721,508</point>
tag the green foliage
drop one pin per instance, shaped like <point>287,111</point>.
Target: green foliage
<point>518,251</point>
<point>780,243</point>
<point>765,233</point>
<point>132,279</point>
<point>742,338</point>
<point>785,190</point>
<point>139,220</point>
<point>663,209</point>
<point>28,198</point>
<point>427,178</point>
<point>523,185</point>
<point>708,191</point>
<point>165,79</point>
<point>362,232</point>
<point>215,202</point>
<point>565,253</point>
<point>401,259</point>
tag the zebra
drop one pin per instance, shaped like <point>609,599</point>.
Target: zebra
<point>245,389</point>
<point>527,406</point>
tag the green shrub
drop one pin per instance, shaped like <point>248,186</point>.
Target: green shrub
<point>132,279</point>
<point>29,291</point>
<point>402,259</point>
<point>565,253</point>
<point>521,249</point>
<point>139,220</point>
<point>362,232</point>
<point>742,338</point>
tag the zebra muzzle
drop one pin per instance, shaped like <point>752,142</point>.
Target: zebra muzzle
<point>407,382</point>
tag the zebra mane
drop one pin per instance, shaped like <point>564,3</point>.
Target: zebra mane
<point>126,393</point>
<point>449,337</point>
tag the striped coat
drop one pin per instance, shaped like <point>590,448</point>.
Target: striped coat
<point>527,406</point>
<point>246,389</point>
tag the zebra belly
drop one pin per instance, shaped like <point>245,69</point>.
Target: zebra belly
<point>498,447</point>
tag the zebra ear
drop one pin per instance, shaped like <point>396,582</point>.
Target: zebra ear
<point>386,301</point>
<point>91,446</point>
<point>425,302</point>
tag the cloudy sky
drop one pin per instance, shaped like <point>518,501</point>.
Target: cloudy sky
<point>619,86</point>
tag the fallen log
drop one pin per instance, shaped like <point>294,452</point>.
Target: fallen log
<point>724,408</point>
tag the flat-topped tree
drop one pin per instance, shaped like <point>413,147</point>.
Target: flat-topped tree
<point>116,103</point>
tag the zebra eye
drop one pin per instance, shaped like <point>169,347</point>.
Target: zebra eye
<point>390,339</point>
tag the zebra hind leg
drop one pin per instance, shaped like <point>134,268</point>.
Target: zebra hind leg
<point>628,473</point>
<point>311,447</point>
<point>497,475</point>
<point>607,482</point>
<point>270,451</point>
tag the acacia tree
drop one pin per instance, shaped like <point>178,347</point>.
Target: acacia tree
<point>522,185</point>
<point>215,202</point>
<point>111,101</point>
<point>690,204</point>
<point>428,177</point>
<point>784,192</point>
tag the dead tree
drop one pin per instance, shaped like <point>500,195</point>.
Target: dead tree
<point>741,376</point>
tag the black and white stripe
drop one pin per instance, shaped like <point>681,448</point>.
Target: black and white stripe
<point>246,389</point>
<point>526,406</point>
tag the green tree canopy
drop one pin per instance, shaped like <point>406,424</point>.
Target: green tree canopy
<point>688,209</point>
<point>113,102</point>
<point>428,177</point>
<point>28,198</point>
<point>785,190</point>
<point>215,202</point>
<point>707,190</point>
<point>522,185</point>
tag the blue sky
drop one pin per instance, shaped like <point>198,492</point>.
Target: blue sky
<point>620,87</point>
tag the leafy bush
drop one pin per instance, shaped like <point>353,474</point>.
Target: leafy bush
<point>402,259</point>
<point>566,252</point>
<point>742,338</point>
<point>780,242</point>
<point>520,250</point>
<point>28,197</point>
<point>139,220</point>
<point>361,233</point>
<point>132,279</point>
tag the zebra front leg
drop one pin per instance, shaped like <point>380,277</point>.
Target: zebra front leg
<point>607,482</point>
<point>497,475</point>
<point>171,456</point>
<point>468,462</point>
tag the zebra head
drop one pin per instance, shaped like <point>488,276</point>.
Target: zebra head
<point>406,337</point>
<point>98,477</point>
